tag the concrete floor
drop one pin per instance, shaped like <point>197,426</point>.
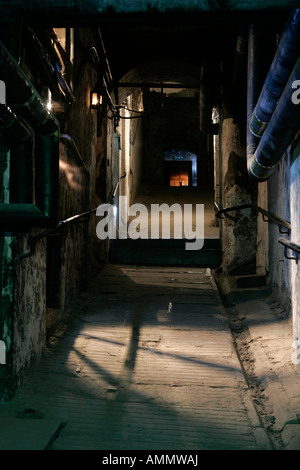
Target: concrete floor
<point>150,360</point>
<point>146,362</point>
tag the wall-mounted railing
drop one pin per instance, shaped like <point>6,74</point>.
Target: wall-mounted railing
<point>82,217</point>
<point>288,245</point>
<point>32,241</point>
<point>284,226</point>
<point>267,216</point>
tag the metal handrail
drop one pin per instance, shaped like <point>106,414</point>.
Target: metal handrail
<point>288,245</point>
<point>115,189</point>
<point>269,215</point>
<point>31,241</point>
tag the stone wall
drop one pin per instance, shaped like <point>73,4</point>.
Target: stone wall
<point>238,228</point>
<point>279,204</point>
<point>295,235</point>
<point>136,149</point>
<point>37,290</point>
<point>280,195</point>
<point>283,196</point>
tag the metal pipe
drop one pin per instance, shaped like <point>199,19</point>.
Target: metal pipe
<point>47,175</point>
<point>284,60</point>
<point>22,96</point>
<point>14,129</point>
<point>19,137</point>
<point>253,69</point>
<point>27,103</point>
<point>284,125</point>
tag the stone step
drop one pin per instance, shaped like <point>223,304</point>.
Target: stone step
<point>248,281</point>
<point>164,252</point>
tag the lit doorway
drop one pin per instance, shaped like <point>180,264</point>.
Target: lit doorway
<point>180,168</point>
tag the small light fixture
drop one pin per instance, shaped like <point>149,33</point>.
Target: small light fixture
<point>49,102</point>
<point>95,100</point>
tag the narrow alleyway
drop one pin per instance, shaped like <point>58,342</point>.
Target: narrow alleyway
<point>149,225</point>
<point>147,362</point>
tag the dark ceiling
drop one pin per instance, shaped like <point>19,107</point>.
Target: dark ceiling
<point>132,41</point>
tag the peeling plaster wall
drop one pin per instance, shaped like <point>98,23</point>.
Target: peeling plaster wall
<point>262,253</point>
<point>7,247</point>
<point>279,204</point>
<point>29,321</point>
<point>283,189</point>
<point>284,192</point>
<point>77,179</point>
<point>295,220</point>
<point>239,227</point>
<point>7,280</point>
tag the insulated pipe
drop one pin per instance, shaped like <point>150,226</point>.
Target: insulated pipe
<point>20,213</point>
<point>22,96</point>
<point>284,125</point>
<point>14,129</point>
<point>260,53</point>
<point>252,141</point>
<point>19,137</point>
<point>284,60</point>
<point>47,164</point>
<point>21,173</point>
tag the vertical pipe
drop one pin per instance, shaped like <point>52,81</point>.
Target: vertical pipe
<point>47,187</point>
<point>252,92</point>
<point>19,137</point>
<point>27,103</point>
<point>22,96</point>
